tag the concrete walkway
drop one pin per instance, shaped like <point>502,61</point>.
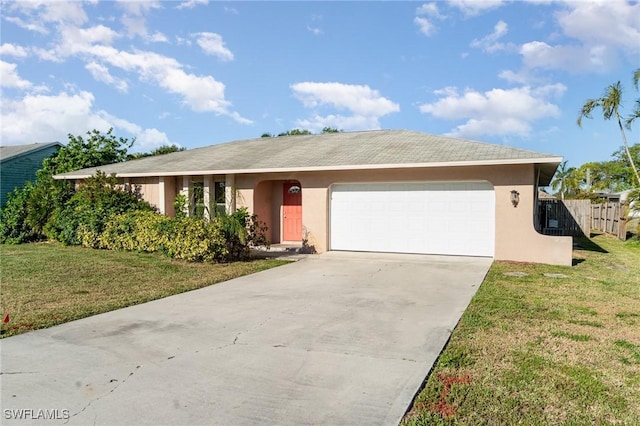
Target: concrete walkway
<point>339,338</point>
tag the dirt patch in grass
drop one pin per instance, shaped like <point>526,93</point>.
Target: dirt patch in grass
<point>46,284</point>
<point>544,350</point>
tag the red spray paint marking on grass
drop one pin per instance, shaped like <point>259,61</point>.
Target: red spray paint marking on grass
<point>443,407</point>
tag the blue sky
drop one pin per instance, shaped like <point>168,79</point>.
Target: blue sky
<point>199,72</point>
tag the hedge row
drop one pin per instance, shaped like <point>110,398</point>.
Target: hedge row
<point>223,238</point>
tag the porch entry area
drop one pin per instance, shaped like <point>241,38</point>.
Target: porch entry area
<point>278,203</point>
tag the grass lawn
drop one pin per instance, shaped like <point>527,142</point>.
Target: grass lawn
<point>541,350</point>
<point>46,284</point>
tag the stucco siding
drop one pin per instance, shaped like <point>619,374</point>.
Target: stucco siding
<point>148,189</point>
<point>516,237</point>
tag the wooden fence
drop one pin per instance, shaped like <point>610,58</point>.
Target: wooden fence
<point>609,218</point>
<point>564,217</point>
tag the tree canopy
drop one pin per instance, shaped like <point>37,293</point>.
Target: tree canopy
<point>610,103</point>
<point>161,150</point>
<point>614,175</point>
<point>96,150</point>
<point>299,132</point>
<point>31,210</point>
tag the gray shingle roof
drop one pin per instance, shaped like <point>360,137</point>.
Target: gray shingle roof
<point>332,151</point>
<point>11,151</point>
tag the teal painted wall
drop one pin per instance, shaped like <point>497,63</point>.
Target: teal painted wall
<point>14,172</point>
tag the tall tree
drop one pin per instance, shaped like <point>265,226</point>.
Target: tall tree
<point>298,132</point>
<point>161,150</point>
<point>295,132</point>
<point>565,181</point>
<point>34,206</point>
<point>635,114</point>
<point>610,103</point>
<point>96,150</point>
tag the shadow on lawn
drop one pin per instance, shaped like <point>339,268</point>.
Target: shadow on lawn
<point>585,243</point>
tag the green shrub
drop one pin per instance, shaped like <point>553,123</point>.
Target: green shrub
<point>195,239</point>
<point>83,218</point>
<point>14,228</point>
<point>242,231</point>
<point>136,231</point>
<point>187,238</point>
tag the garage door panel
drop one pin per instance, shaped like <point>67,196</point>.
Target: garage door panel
<point>455,218</point>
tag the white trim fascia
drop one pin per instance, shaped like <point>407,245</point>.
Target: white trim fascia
<point>467,163</point>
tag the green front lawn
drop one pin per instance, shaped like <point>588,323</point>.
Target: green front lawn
<point>541,350</point>
<point>46,284</point>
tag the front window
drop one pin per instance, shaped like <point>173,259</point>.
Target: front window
<point>219,197</point>
<point>197,200</point>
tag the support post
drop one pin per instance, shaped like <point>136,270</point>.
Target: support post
<point>206,189</point>
<point>230,193</point>
<point>162,207</point>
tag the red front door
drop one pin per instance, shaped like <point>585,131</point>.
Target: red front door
<point>292,212</point>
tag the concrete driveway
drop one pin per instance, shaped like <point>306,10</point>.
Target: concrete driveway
<point>340,338</point>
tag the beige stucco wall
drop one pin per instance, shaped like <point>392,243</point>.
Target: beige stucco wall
<point>515,236</point>
<point>148,187</point>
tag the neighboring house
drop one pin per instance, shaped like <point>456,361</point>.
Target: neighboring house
<point>19,163</point>
<point>544,195</point>
<point>622,197</point>
<point>380,191</point>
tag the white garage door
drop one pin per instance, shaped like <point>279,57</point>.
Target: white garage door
<point>453,218</point>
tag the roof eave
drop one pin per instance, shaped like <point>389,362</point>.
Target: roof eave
<point>542,160</point>
<point>31,151</point>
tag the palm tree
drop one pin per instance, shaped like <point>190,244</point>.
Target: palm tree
<point>610,103</point>
<point>635,114</point>
<point>562,179</point>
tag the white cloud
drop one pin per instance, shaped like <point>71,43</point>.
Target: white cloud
<point>94,46</point>
<point>76,40</point>
<point>150,139</point>
<point>157,37</point>
<point>101,73</point>
<point>611,23</point>
<point>364,105</point>
<point>9,77</point>
<point>44,118</point>
<point>37,27</point>
<point>521,77</point>
<point>191,4</point>
<point>138,7</point>
<point>430,9</point>
<point>489,43</point>
<point>146,139</point>
<point>231,10</point>
<point>600,31</point>
<point>8,49</point>
<point>424,25</point>
<point>572,58</point>
<point>135,22</point>
<point>212,44</point>
<point>137,26</point>
<point>496,112</point>
<point>349,123</point>
<point>314,30</point>
<point>40,13</point>
<point>475,7</point>
<point>200,93</point>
